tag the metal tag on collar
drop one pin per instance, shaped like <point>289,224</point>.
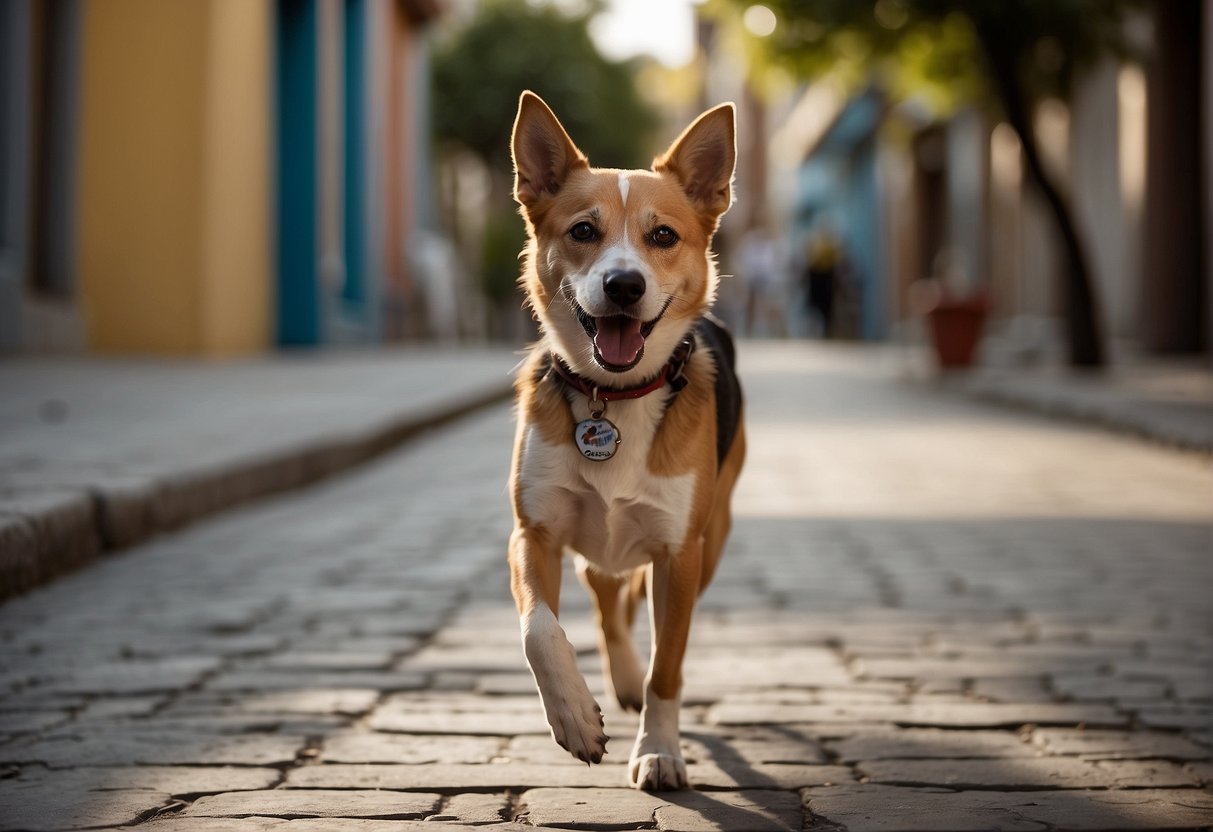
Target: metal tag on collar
<point>597,438</point>
<point>677,379</point>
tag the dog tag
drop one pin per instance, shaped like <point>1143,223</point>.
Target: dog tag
<point>597,439</point>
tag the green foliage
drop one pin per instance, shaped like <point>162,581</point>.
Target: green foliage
<point>511,46</point>
<point>503,240</point>
<point>944,49</point>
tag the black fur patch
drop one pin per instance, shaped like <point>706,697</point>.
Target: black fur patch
<point>715,338</point>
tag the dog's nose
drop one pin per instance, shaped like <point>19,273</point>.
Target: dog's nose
<point>623,286</point>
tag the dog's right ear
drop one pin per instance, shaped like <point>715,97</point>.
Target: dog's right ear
<point>544,155</point>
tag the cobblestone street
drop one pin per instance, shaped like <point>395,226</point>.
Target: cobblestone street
<point>932,615</point>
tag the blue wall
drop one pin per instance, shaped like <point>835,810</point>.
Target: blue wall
<point>839,184</point>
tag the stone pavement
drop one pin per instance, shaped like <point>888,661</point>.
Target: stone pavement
<point>98,454</point>
<point>933,615</point>
<point>1167,401</point>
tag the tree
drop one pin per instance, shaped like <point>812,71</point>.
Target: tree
<point>1020,52</point>
<point>511,46</point>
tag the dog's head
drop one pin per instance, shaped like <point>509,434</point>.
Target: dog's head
<point>618,262</point>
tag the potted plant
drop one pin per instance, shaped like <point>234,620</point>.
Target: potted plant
<point>955,311</point>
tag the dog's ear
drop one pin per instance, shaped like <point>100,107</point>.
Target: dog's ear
<point>544,155</point>
<point>702,161</point>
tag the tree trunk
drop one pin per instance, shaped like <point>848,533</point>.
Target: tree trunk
<point>1084,334</point>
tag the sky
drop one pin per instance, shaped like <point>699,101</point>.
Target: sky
<point>662,28</point>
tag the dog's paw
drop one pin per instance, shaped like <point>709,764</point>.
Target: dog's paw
<point>657,772</point>
<point>627,682</point>
<point>578,728</point>
<point>630,701</point>
<point>571,711</point>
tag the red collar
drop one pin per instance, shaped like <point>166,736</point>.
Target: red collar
<point>672,372</point>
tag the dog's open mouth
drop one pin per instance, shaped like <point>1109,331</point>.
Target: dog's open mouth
<point>618,339</point>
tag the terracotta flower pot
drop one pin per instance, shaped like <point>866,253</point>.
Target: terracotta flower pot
<point>956,329</point>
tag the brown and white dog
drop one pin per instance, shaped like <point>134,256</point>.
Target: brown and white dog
<point>629,420</point>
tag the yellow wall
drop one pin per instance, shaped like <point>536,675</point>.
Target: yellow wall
<point>174,172</point>
<point>237,251</point>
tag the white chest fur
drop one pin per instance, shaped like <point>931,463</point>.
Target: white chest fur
<point>614,512</point>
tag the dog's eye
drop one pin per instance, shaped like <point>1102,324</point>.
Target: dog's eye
<point>664,236</point>
<point>583,232</point>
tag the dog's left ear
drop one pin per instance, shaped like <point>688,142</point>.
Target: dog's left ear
<point>702,161</point>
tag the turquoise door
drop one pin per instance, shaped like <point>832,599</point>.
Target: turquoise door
<point>298,306</point>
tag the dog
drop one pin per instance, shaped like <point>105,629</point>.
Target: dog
<point>629,436</point>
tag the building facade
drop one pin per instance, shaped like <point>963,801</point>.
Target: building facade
<point>207,178</point>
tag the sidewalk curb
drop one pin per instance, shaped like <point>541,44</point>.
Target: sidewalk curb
<point>54,531</point>
<point>1125,416</point>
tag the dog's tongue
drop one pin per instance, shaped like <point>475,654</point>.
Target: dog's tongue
<point>618,340</point>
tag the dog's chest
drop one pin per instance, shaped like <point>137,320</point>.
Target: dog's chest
<point>614,511</point>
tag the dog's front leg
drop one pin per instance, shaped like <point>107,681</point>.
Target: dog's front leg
<point>574,716</point>
<point>656,762</point>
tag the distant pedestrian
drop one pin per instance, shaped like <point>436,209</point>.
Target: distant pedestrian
<point>761,265</point>
<point>821,282</point>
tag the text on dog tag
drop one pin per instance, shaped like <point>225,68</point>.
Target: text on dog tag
<point>597,439</point>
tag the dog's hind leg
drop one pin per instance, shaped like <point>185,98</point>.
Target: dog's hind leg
<point>721,520</point>
<point>615,604</point>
